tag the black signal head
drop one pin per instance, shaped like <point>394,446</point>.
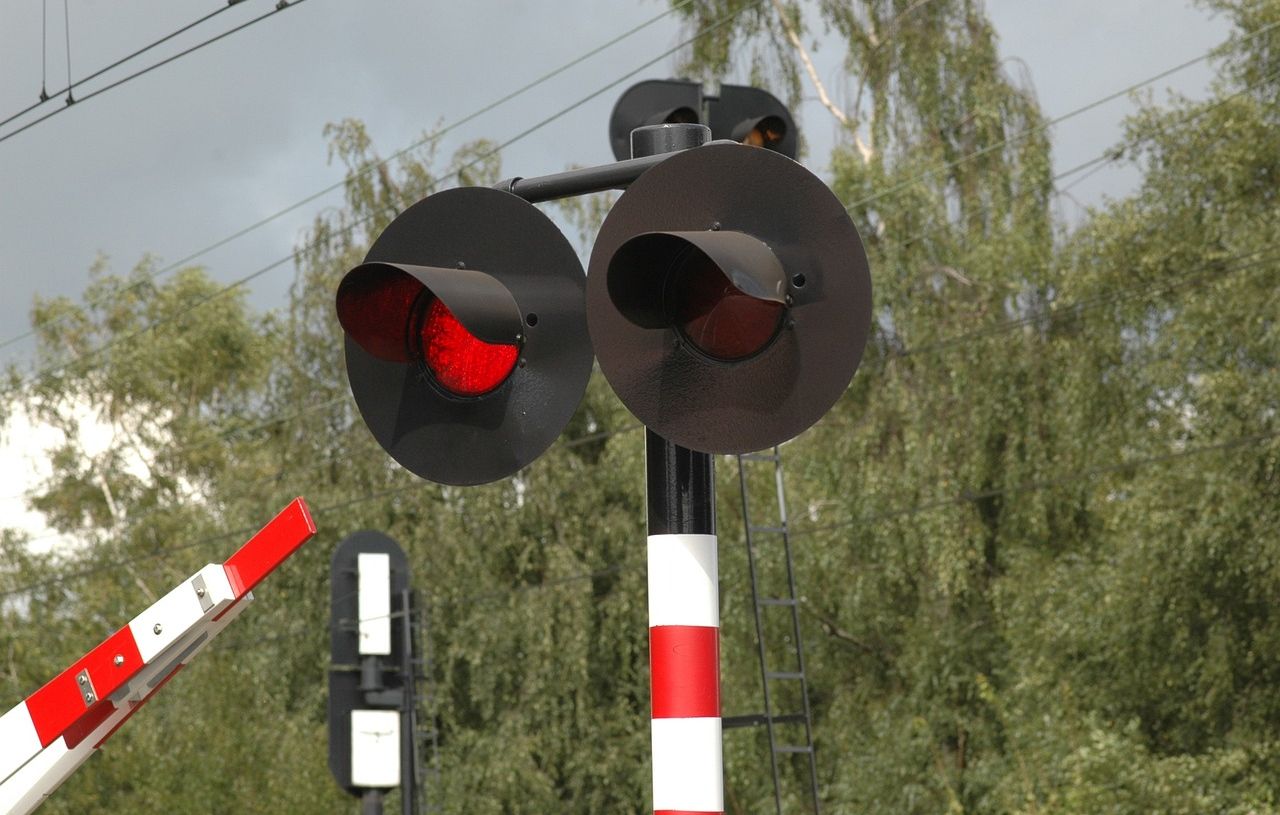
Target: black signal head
<point>466,341</point>
<point>728,299</point>
<point>653,102</point>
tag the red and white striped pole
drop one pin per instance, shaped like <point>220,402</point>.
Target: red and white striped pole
<point>684,594</point>
<point>684,661</point>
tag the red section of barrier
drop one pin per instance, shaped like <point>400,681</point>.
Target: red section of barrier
<point>268,549</point>
<point>61,702</point>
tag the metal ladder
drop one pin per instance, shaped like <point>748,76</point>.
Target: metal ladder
<point>777,611</point>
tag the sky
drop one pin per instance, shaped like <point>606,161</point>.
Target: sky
<point>197,150</point>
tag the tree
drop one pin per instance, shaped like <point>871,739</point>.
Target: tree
<point>1036,539</point>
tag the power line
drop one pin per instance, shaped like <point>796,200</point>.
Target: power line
<point>280,6</point>
<point>1017,137</point>
<point>368,167</point>
<point>966,496</point>
<point>45,96</point>
<point>1217,268</point>
<point>97,351</point>
<point>961,497</point>
<point>1248,260</point>
<point>1103,159</point>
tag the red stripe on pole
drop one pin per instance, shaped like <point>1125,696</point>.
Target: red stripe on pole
<point>684,663</point>
<point>61,702</point>
<point>268,549</point>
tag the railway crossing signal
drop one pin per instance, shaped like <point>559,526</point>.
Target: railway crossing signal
<point>728,299</point>
<point>728,302</point>
<point>466,338</point>
<point>737,113</point>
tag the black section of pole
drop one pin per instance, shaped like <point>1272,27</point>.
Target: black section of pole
<point>680,483</point>
<point>681,488</point>
<point>617,175</point>
<point>371,802</point>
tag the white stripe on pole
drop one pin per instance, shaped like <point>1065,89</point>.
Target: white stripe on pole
<point>684,584</point>
<point>687,765</point>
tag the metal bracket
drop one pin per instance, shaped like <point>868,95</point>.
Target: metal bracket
<point>202,591</point>
<point>87,691</point>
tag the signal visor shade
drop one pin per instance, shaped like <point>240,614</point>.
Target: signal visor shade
<point>389,311</point>
<point>723,292</point>
<point>376,307</point>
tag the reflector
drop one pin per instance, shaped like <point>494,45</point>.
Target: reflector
<point>462,363</point>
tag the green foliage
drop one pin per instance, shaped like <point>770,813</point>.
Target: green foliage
<point>1036,540</point>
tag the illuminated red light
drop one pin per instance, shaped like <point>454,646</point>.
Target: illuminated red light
<point>715,316</point>
<point>461,363</point>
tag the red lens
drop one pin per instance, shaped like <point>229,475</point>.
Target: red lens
<point>463,364</point>
<point>375,307</point>
<point>719,319</point>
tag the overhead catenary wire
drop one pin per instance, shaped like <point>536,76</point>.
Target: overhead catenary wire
<point>372,166</point>
<point>1012,324</point>
<point>1217,269</point>
<point>1100,161</point>
<point>719,23</point>
<point>45,96</point>
<point>279,7</point>
<point>1043,126</point>
<point>240,282</point>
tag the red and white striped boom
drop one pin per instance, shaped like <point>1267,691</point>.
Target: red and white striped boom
<point>47,736</point>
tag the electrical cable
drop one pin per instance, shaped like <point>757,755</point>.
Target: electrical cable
<point>97,351</point>
<point>44,57</point>
<point>966,496</point>
<point>279,7</point>
<point>44,96</point>
<point>1100,161</point>
<point>370,167</point>
<point>962,497</point>
<point>1040,128</point>
<point>714,26</point>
